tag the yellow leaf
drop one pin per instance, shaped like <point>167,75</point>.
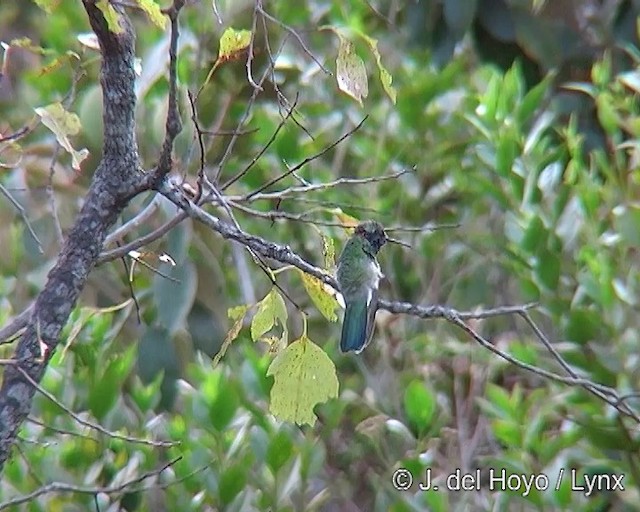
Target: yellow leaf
<point>232,42</point>
<point>324,301</point>
<point>304,376</point>
<point>110,15</point>
<point>346,220</point>
<point>63,124</point>
<point>153,11</point>
<point>385,76</point>
<point>237,313</point>
<point>350,71</point>
<point>271,309</point>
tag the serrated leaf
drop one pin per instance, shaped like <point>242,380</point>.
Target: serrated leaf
<point>63,124</point>
<point>232,42</point>
<point>351,74</point>
<point>324,301</point>
<point>304,376</point>
<point>153,11</point>
<point>271,309</point>
<point>385,77</point>
<point>110,15</point>
<point>236,313</point>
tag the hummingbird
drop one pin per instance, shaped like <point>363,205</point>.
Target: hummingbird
<point>358,276</point>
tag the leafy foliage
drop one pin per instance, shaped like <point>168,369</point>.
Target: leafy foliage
<point>538,168</point>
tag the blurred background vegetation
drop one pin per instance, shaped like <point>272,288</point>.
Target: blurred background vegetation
<point>521,118</point>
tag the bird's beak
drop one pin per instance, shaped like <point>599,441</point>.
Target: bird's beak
<point>399,242</point>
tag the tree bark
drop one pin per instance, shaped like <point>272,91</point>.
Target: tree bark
<point>116,180</point>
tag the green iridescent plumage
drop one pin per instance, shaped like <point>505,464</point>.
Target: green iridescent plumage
<point>358,276</point>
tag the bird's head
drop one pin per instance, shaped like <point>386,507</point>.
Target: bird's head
<point>372,232</point>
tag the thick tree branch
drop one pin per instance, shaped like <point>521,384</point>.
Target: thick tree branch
<point>115,181</point>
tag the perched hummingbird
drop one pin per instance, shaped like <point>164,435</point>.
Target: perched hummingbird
<point>358,276</point>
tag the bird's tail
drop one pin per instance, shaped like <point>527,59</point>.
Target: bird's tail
<point>354,327</point>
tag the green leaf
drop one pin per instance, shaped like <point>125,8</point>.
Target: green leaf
<point>548,266</point>
<point>63,124</point>
<point>110,15</point>
<point>232,481</point>
<point>607,114</point>
<point>106,389</point>
<point>533,99</point>
<point>385,76</point>
<point>419,404</point>
<point>147,396</point>
<point>271,309</point>
<point>222,399</point>
<point>582,325</point>
<point>304,376</point>
<point>153,11</point>
<point>174,299</point>
<point>279,451</point>
<point>351,74</point>
<point>324,301</point>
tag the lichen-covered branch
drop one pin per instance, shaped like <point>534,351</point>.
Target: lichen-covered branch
<point>116,180</point>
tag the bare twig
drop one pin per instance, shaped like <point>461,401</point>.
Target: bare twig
<point>243,119</point>
<point>254,23</point>
<point>305,161</point>
<point>173,123</point>
<point>17,324</point>
<point>128,486</point>
<point>140,219</point>
<point>262,151</point>
<point>298,38</point>
<point>199,135</point>
<point>86,423</point>
<point>23,214</point>
<point>114,254</point>
<point>295,191</point>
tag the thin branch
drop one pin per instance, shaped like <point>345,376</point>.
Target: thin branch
<point>306,161</point>
<point>173,123</point>
<point>52,195</point>
<point>199,135</point>
<point>262,151</point>
<point>16,325</point>
<point>118,252</point>
<point>23,215</point>
<point>313,187</point>
<point>62,431</point>
<point>141,218</point>
<point>131,290</point>
<point>86,423</point>
<point>298,38</point>
<point>251,43</point>
<point>243,119</point>
<point>128,486</point>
